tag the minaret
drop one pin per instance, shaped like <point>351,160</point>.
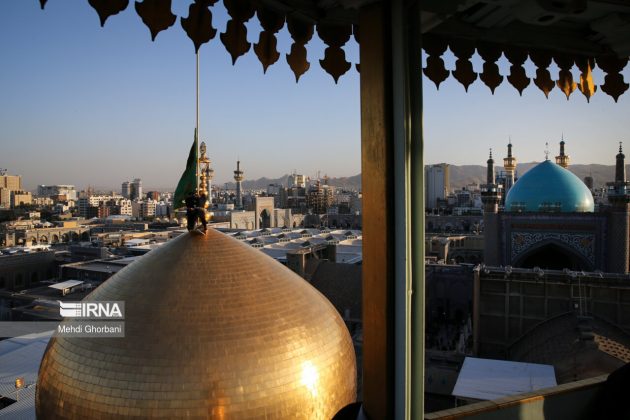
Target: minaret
<point>490,192</point>
<point>618,246</point>
<point>491,197</point>
<point>238,177</point>
<point>562,159</point>
<point>620,168</point>
<point>619,190</point>
<point>490,172</point>
<point>509,164</point>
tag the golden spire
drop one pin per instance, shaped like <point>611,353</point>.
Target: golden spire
<point>509,162</point>
<point>562,159</point>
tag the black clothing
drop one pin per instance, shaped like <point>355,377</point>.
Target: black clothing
<point>195,209</point>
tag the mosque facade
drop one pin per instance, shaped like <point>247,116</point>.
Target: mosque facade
<point>549,219</point>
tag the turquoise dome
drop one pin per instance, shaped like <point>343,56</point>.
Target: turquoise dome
<point>549,187</point>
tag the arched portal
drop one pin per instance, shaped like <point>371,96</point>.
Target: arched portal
<point>85,236</point>
<point>74,237</point>
<point>553,256</point>
<point>54,239</point>
<point>65,237</point>
<point>43,239</point>
<point>265,219</point>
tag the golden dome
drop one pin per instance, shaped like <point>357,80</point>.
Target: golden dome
<point>213,329</point>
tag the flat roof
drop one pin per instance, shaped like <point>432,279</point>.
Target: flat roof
<point>20,357</point>
<point>66,284</point>
<point>488,379</point>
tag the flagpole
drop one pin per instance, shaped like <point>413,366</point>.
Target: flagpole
<point>197,123</point>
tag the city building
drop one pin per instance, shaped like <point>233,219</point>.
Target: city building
<point>574,320</point>
<point>20,198</point>
<point>88,204</point>
<point>143,209</point>
<point>58,192</point>
<point>153,195</point>
<point>132,189</point>
<point>549,221</point>
<point>437,183</point>
<point>297,181</point>
<point>25,268</point>
<point>11,182</point>
<point>576,35</point>
<point>8,183</point>
<point>319,198</point>
<point>125,189</point>
<point>135,191</point>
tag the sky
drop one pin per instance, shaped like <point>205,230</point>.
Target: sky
<point>85,105</point>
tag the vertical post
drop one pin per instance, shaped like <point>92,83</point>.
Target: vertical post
<point>377,167</point>
<point>402,211</point>
<point>415,134</point>
<point>393,218</point>
<point>197,118</point>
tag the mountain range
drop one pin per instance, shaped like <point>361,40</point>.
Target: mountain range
<point>460,175</point>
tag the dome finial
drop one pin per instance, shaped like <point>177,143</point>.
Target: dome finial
<point>491,153</point>
<point>546,150</point>
<point>620,148</point>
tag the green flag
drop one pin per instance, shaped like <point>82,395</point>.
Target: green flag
<point>188,181</point>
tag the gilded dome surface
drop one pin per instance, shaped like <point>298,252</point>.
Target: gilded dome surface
<point>213,329</point>
<point>549,187</point>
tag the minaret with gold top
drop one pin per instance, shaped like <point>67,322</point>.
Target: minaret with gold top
<point>562,159</point>
<point>509,164</point>
<point>238,177</point>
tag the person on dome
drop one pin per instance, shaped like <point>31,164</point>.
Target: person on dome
<point>195,209</point>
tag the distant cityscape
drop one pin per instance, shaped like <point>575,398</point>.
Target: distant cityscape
<point>506,228</point>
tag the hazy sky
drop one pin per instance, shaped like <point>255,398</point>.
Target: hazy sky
<point>82,104</point>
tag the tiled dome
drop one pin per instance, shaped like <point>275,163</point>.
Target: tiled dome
<point>213,328</point>
<point>549,187</point>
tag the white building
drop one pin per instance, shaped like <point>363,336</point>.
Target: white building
<point>436,183</point>
<point>125,207</point>
<point>94,201</point>
<point>143,209</point>
<point>69,191</point>
<point>296,180</point>
<point>136,189</point>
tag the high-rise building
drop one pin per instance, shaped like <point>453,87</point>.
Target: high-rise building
<point>437,183</point>
<point>9,183</point>
<point>320,198</point>
<point>136,189</point>
<point>125,189</point>
<point>132,189</point>
<point>297,181</point>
